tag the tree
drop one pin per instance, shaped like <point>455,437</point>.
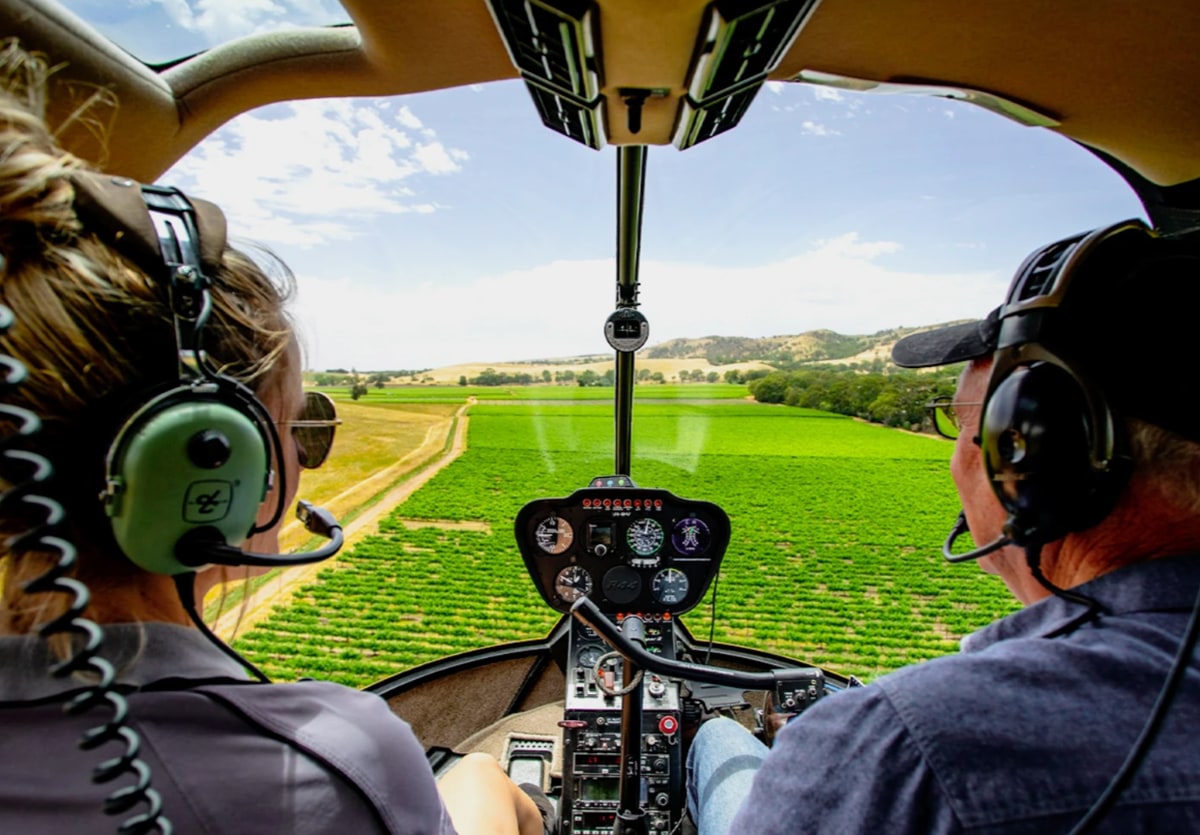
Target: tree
<point>771,388</point>
<point>462,380</point>
<point>733,376</point>
<point>546,375</point>
<point>713,376</point>
<point>587,378</point>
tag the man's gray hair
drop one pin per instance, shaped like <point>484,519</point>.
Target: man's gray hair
<point>1168,461</point>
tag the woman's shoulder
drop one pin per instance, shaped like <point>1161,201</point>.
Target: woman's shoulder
<point>311,707</point>
<point>352,732</point>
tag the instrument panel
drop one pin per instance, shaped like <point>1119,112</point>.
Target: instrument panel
<point>627,548</point>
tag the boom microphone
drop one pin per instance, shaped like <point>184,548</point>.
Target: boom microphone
<point>206,546</point>
<point>961,527</point>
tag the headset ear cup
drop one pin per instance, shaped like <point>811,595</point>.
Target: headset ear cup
<point>1038,446</point>
<point>186,465</point>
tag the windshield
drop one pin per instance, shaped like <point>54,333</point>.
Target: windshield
<point>454,265</point>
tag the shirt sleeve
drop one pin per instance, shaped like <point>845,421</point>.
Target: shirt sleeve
<point>848,764</point>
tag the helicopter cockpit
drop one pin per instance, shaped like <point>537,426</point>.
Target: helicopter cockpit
<point>599,712</point>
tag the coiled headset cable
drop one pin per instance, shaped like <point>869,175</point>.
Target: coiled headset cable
<point>85,635</point>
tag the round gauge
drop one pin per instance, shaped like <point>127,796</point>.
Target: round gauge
<point>645,536</point>
<point>690,536</point>
<point>588,656</point>
<point>554,535</point>
<point>572,583</point>
<point>669,586</point>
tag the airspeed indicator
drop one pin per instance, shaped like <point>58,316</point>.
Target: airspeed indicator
<point>645,536</point>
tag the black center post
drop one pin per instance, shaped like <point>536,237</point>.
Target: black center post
<point>631,188</point>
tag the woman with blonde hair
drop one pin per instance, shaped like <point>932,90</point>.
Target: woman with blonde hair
<point>162,368</point>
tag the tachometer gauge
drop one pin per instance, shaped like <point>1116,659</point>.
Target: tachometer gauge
<point>572,583</point>
<point>691,536</point>
<point>645,536</point>
<point>669,586</point>
<point>554,535</point>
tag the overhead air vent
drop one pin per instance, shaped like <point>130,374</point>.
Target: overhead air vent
<point>740,42</point>
<point>1041,270</point>
<point>555,46</point>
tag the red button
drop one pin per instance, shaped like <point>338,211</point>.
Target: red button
<point>667,725</point>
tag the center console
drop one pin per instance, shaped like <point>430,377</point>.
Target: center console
<point>631,551</point>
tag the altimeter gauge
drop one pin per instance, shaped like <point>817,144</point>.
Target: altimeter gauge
<point>645,536</point>
<point>572,583</point>
<point>554,535</point>
<point>669,586</point>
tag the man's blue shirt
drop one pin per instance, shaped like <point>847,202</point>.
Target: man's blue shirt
<point>1019,733</point>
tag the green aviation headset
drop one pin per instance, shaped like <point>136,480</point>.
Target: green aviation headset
<point>188,470</point>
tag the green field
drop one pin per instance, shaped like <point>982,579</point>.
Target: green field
<point>834,557</point>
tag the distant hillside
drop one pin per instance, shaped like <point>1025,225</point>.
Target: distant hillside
<point>813,346</point>
<point>697,357</point>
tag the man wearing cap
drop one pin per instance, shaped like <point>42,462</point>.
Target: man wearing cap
<point>1078,465</point>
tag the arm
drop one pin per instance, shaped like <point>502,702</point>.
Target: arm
<point>482,800</point>
<point>848,764</point>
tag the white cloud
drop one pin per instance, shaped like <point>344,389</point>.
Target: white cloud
<point>817,129</point>
<point>222,20</point>
<point>775,87</point>
<point>827,93</point>
<point>308,172</point>
<point>843,283</point>
<point>437,159</point>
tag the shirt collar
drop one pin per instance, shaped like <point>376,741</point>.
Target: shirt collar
<point>1159,585</point>
<point>141,654</point>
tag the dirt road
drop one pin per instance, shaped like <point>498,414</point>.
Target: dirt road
<point>280,589</point>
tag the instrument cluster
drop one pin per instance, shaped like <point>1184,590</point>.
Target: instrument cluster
<point>629,549</point>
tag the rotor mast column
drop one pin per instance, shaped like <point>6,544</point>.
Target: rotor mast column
<point>631,187</point>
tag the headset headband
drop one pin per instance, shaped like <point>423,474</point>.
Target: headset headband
<point>117,210</point>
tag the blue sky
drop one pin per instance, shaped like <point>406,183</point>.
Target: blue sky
<point>452,227</point>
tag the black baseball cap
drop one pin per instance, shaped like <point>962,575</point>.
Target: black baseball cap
<point>1125,307</point>
<point>945,346</point>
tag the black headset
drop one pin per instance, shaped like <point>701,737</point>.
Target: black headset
<point>190,467</point>
<point>1054,450</point>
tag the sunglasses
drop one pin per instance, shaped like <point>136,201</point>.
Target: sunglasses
<point>314,429</point>
<point>944,414</point>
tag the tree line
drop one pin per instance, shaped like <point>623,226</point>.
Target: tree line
<point>898,398</point>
